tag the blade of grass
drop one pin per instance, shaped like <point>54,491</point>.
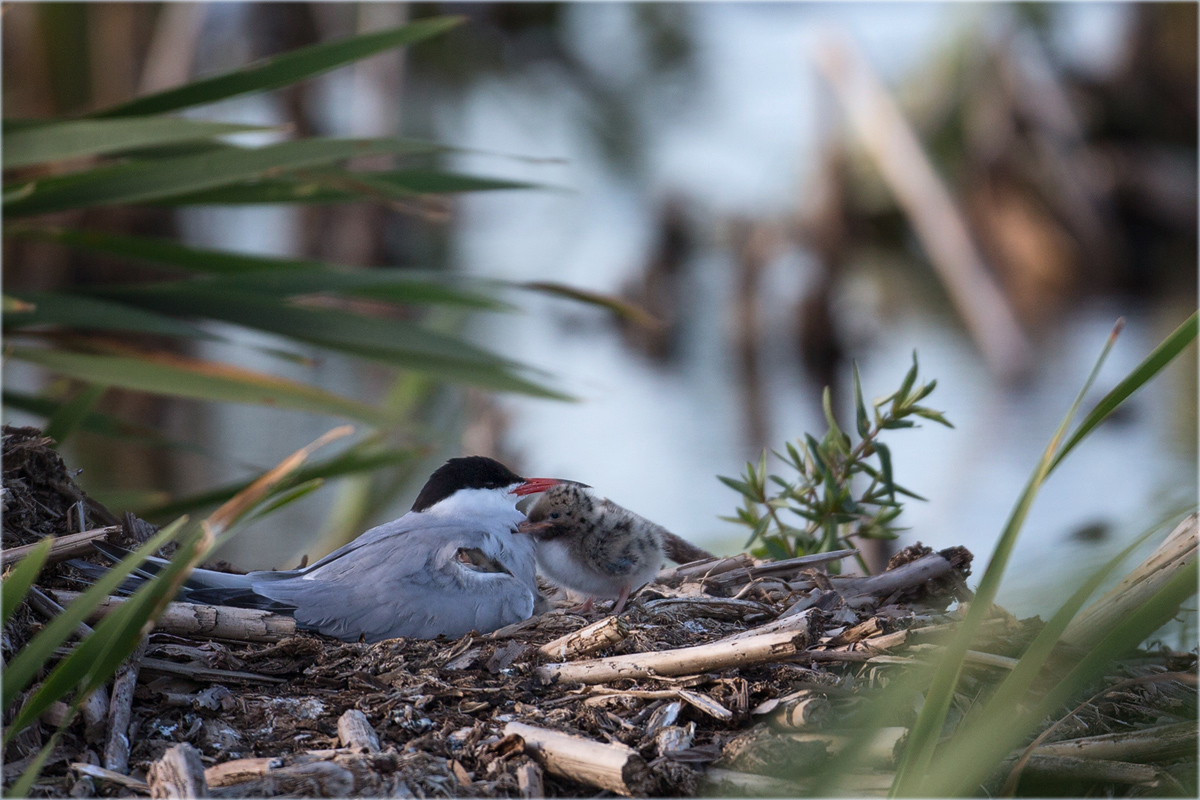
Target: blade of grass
<point>282,70</point>
<point>284,276</point>
<point>392,341</point>
<point>141,182</point>
<point>177,376</point>
<point>630,312</point>
<point>349,463</point>
<point>70,415</point>
<point>76,138</point>
<point>24,785</point>
<point>96,314</point>
<point>925,733</point>
<point>1150,366</point>
<point>21,671</point>
<point>22,576</point>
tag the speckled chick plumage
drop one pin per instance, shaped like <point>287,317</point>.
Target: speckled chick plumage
<point>592,545</point>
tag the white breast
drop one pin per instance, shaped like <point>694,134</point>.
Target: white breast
<point>557,563</point>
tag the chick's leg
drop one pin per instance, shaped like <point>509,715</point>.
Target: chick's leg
<point>620,606</point>
<point>583,608</point>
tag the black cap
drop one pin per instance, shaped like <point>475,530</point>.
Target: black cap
<point>471,472</point>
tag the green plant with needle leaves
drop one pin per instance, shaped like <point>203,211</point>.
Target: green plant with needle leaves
<point>830,511</point>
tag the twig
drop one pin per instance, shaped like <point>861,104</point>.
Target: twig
<point>700,701</point>
<point>120,709</point>
<point>613,767</point>
<point>212,622</point>
<point>1090,769</point>
<point>48,609</point>
<point>683,661</point>
<point>589,639</point>
<point>1174,554</point>
<point>1014,776</point>
<point>202,673</point>
<point>64,547</point>
<point>179,773</point>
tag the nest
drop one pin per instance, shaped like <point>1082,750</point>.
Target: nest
<point>732,676</point>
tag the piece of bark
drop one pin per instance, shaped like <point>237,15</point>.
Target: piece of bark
<point>797,623</point>
<point>1160,743</point>
<point>589,639</point>
<point>179,773</point>
<point>673,738</point>
<point>1092,769</point>
<point>529,780</point>
<point>210,622</point>
<point>710,657</point>
<point>100,773</point>
<point>800,711</point>
<point>95,715</point>
<point>613,767</point>
<point>861,591</point>
<point>64,547</point>
<point>120,711</point>
<point>1175,553</point>
<point>355,731</point>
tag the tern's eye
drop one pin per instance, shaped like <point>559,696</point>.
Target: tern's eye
<point>554,515</point>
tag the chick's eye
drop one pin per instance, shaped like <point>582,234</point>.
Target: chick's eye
<point>554,515</point>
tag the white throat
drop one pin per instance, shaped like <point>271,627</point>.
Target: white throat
<point>499,505</point>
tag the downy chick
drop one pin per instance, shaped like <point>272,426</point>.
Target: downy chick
<point>594,546</point>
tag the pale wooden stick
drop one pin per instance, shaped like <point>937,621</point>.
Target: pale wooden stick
<point>213,622</point>
<point>586,640</point>
<point>673,738</point>
<point>936,219</point>
<point>683,661</point>
<point>120,709</point>
<point>64,547</point>
<point>356,732</point>
<point>1159,743</point>
<point>797,623</point>
<point>240,770</point>
<point>613,767</point>
<point>1176,552</point>
<point>179,773</point>
<point>100,773</point>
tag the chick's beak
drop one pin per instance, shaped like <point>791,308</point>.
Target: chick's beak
<point>535,485</point>
<point>529,527</point>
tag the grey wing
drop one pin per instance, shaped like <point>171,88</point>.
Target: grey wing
<point>414,586</point>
